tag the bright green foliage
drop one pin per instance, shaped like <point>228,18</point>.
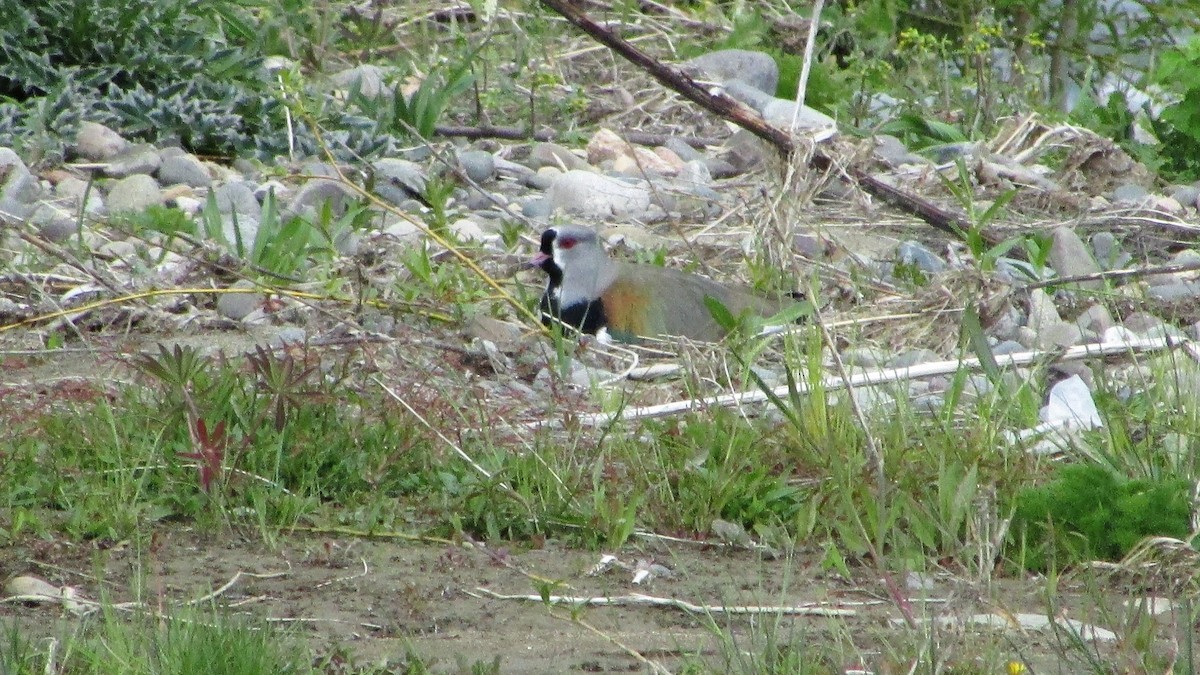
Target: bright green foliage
<point>1179,124</point>
<point>161,70</point>
<point>202,644</point>
<point>417,114</point>
<point>153,69</point>
<point>1089,513</point>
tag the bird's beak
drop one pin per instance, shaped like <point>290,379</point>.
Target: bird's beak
<point>537,260</point>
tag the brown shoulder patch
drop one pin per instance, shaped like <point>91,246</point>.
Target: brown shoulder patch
<point>627,307</point>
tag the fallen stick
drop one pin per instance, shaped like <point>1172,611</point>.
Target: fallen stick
<point>878,376</point>
<point>810,609</point>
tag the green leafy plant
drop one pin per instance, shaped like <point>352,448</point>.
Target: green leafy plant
<point>1087,512</point>
<point>416,113</point>
<point>282,247</point>
<point>1179,124</point>
<point>978,219</point>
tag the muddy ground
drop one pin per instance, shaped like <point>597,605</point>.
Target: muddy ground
<point>379,601</point>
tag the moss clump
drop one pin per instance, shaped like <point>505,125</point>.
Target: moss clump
<point>1089,513</point>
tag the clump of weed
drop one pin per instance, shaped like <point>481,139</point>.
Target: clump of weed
<point>1088,513</point>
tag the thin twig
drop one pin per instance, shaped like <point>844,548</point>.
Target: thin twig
<point>808,609</point>
<point>420,418</point>
<point>806,64</point>
<point>1127,273</point>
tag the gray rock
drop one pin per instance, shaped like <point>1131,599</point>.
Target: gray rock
<point>912,358</point>
<point>1187,195</point>
<point>1059,335</point>
<point>757,69</point>
<point>13,212</point>
<point>949,152</point>
<point>1065,369</point>
<point>1119,334</point>
<point>1006,323</point>
<point>883,107</point>
<point>540,180</point>
<point>97,142</point>
<point>1070,257</point>
<point>779,111</point>
<point>1187,256</point>
<point>584,193</point>
<point>71,191</point>
<point>133,193</point>
<point>719,168</point>
<point>695,172</point>
<point>1129,193</point>
<point>238,306</point>
<point>289,335</point>
<point>929,403</point>
<point>1108,251</point>
<point>370,80</point>
<point>478,200</point>
<point>915,253</point>
<point>54,223</point>
<point>1008,347</point>
<point>893,152</point>
<point>680,147</point>
<point>347,242</point>
<point>1164,204</point>
<point>248,168</point>
<point>1042,312</point>
<point>125,251</point>
<point>586,377</point>
<point>239,226</point>
<point>314,193</point>
<point>1142,323</point>
<point>399,180</point>
<point>977,385</point>
<point>325,169</point>
<point>1165,330</point>
<point>184,168</point>
<point>511,169</point>
<point>1070,402</point>
<point>1011,270</point>
<point>479,165</point>
<point>17,183</point>
<point>864,357</point>
<point>538,208</point>
<point>552,154</point>
<point>1182,290</point>
<point>399,228</point>
<point>873,399</point>
<point>1095,319</point>
<point>467,230</point>
<point>140,158</point>
<point>236,197</point>
<point>281,191</point>
<point>809,244</point>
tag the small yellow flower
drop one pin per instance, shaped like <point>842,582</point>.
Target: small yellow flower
<point>1017,668</point>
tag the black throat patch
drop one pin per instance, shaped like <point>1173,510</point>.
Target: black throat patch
<point>587,317</point>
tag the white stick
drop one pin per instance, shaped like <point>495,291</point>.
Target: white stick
<point>802,85</point>
<point>880,376</point>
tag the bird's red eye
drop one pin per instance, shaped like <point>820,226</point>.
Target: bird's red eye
<point>566,242</point>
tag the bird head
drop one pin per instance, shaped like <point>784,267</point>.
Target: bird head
<point>569,247</point>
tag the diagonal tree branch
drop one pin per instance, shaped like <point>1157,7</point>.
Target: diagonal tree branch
<point>952,223</point>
